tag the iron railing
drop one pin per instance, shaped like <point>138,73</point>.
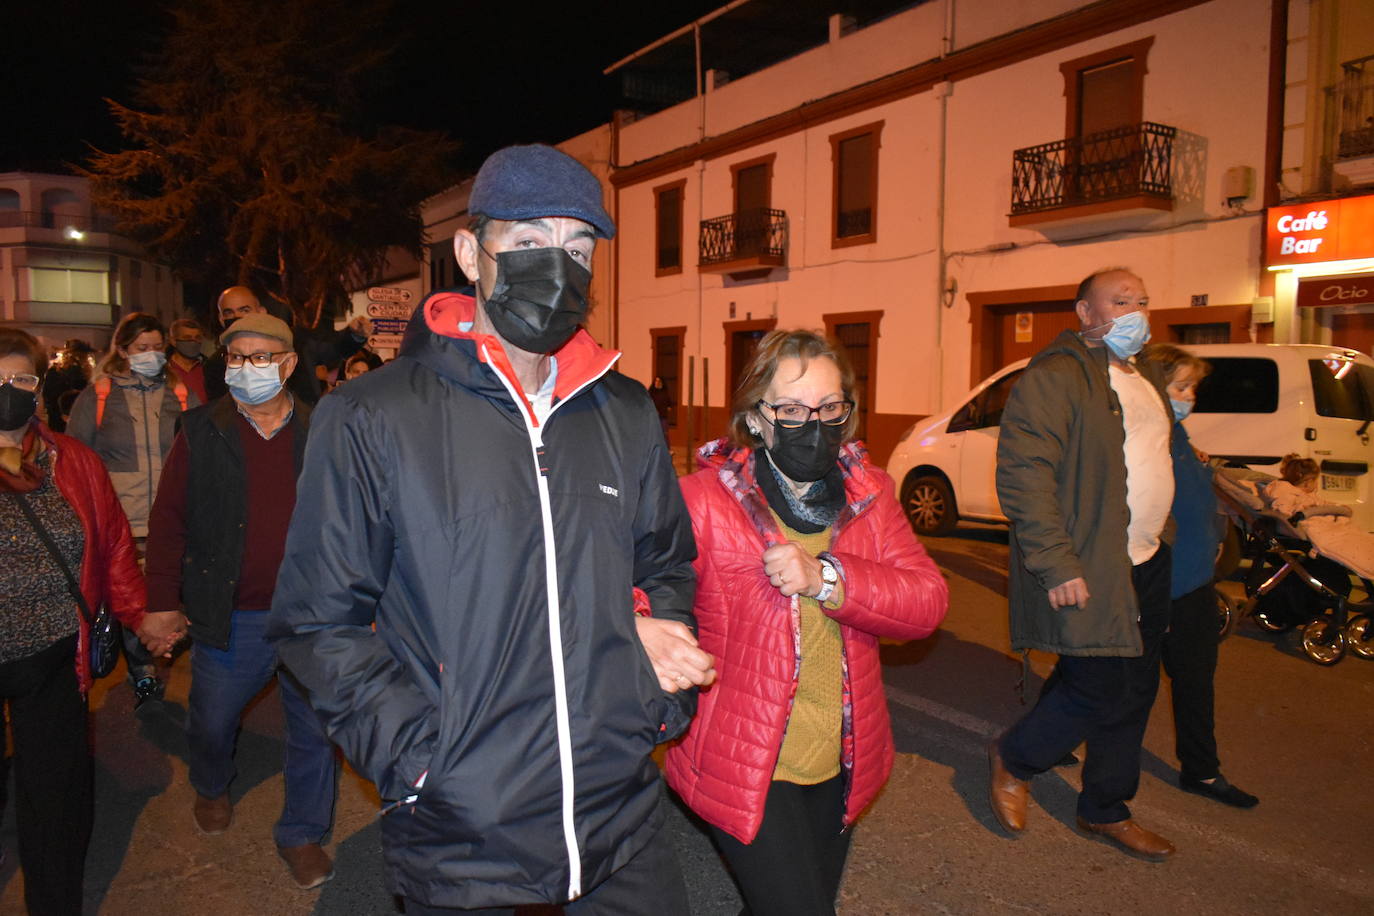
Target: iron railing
<point>757,233</point>
<point>1109,165</point>
<point>1353,105</point>
<point>47,219</point>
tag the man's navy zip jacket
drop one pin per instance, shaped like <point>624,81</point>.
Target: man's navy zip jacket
<point>457,598</point>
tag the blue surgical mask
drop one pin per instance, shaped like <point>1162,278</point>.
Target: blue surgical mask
<point>149,363</point>
<point>1129,333</point>
<point>252,385</point>
<point>1181,408</point>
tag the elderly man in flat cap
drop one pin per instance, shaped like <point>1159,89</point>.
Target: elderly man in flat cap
<point>215,539</point>
<point>484,528</point>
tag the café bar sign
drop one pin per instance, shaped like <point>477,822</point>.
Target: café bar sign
<point>1353,289</point>
<point>1326,230</point>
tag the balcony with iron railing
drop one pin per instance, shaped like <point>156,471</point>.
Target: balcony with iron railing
<point>48,219</point>
<point>1352,109</point>
<point>1106,173</point>
<point>747,242</point>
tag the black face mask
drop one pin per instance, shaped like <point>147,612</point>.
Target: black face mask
<point>539,298</point>
<point>808,452</point>
<point>17,406</point>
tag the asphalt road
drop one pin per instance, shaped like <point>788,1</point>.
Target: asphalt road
<point>1295,734</point>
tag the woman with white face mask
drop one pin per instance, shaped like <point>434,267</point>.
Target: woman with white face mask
<point>128,415</point>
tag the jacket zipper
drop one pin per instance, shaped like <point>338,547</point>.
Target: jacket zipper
<point>560,686</point>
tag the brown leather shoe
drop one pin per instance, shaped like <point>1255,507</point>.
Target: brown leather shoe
<point>310,865</point>
<point>212,815</point>
<point>1132,838</point>
<point>1006,793</point>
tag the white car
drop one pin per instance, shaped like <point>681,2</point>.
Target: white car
<point>1261,402</point>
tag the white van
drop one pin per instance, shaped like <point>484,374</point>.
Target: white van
<point>1261,402</point>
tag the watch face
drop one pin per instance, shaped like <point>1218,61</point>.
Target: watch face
<point>828,572</point>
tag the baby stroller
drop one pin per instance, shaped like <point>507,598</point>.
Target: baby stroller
<point>1288,584</point>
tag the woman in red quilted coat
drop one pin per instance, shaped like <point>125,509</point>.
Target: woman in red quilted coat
<point>62,484</point>
<point>804,560</point>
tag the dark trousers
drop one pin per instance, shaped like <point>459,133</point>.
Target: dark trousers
<point>223,681</point>
<point>53,781</point>
<point>651,882</point>
<point>1103,700</point>
<point>794,865</point>
<point>1190,658</point>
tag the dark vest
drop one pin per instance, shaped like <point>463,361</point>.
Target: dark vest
<point>216,514</point>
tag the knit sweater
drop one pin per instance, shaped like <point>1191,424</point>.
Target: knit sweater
<point>811,745</point>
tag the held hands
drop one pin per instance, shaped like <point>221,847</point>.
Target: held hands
<point>791,570</point>
<point>1073,593</point>
<point>161,631</point>
<point>673,651</point>
<point>361,327</point>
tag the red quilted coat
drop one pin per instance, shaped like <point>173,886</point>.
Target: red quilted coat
<point>723,766</point>
<point>109,565</point>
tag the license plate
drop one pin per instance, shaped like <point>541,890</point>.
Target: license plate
<point>1337,482</point>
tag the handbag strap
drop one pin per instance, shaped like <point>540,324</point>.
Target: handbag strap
<point>46,537</point>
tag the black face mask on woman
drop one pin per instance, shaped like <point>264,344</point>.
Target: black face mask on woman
<point>807,452</point>
<point>539,298</point>
<point>17,406</point>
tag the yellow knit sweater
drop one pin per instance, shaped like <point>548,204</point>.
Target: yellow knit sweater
<point>811,746</point>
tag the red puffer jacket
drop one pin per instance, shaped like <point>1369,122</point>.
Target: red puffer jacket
<point>725,763</point>
<point>109,565</point>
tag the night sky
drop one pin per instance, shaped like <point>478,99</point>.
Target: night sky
<point>486,74</point>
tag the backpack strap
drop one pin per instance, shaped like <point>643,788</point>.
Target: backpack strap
<point>102,394</point>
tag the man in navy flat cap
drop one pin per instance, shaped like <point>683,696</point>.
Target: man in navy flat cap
<point>487,587</point>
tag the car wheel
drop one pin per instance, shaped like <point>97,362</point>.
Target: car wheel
<point>929,504</point>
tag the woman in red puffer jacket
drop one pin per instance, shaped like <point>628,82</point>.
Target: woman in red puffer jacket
<point>53,487</point>
<point>804,560</point>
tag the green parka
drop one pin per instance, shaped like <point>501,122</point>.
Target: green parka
<point>1061,479</point>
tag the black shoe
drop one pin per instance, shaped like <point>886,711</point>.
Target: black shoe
<point>1218,790</point>
<point>148,689</point>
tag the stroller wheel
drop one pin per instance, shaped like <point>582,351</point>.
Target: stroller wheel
<point>1323,641</point>
<point>1226,618</point>
<point>1270,620</point>
<point>1359,636</point>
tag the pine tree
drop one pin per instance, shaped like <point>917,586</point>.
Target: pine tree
<point>251,158</point>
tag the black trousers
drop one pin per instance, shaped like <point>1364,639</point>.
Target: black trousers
<point>794,865</point>
<point>1190,658</point>
<point>53,788</point>
<point>651,882</point>
<point>1104,700</point>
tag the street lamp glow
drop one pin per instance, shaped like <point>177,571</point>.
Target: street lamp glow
<point>74,234</point>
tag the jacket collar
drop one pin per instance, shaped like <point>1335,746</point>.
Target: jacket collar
<point>440,337</point>
<point>734,467</point>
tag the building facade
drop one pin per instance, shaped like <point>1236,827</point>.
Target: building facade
<point>929,181</point>
<point>64,272</point>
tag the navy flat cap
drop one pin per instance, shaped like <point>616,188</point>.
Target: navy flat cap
<point>530,182</point>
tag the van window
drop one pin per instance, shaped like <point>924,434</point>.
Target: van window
<point>1239,385</point>
<point>1338,393</point>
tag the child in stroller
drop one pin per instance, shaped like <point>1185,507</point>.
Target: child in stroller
<point>1302,552</point>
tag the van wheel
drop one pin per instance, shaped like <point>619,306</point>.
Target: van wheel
<point>929,505</point>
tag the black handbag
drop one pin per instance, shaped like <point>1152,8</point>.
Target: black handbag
<point>106,635</point>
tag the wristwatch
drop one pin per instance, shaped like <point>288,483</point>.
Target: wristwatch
<point>829,577</point>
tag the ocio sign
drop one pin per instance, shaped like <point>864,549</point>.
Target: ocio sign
<point>1332,230</point>
<point>1355,289</point>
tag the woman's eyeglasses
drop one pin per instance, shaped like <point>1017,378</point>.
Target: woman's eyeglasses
<point>261,360</point>
<point>791,416</point>
<point>24,381</point>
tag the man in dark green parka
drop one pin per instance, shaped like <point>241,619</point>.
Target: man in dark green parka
<point>1084,474</point>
